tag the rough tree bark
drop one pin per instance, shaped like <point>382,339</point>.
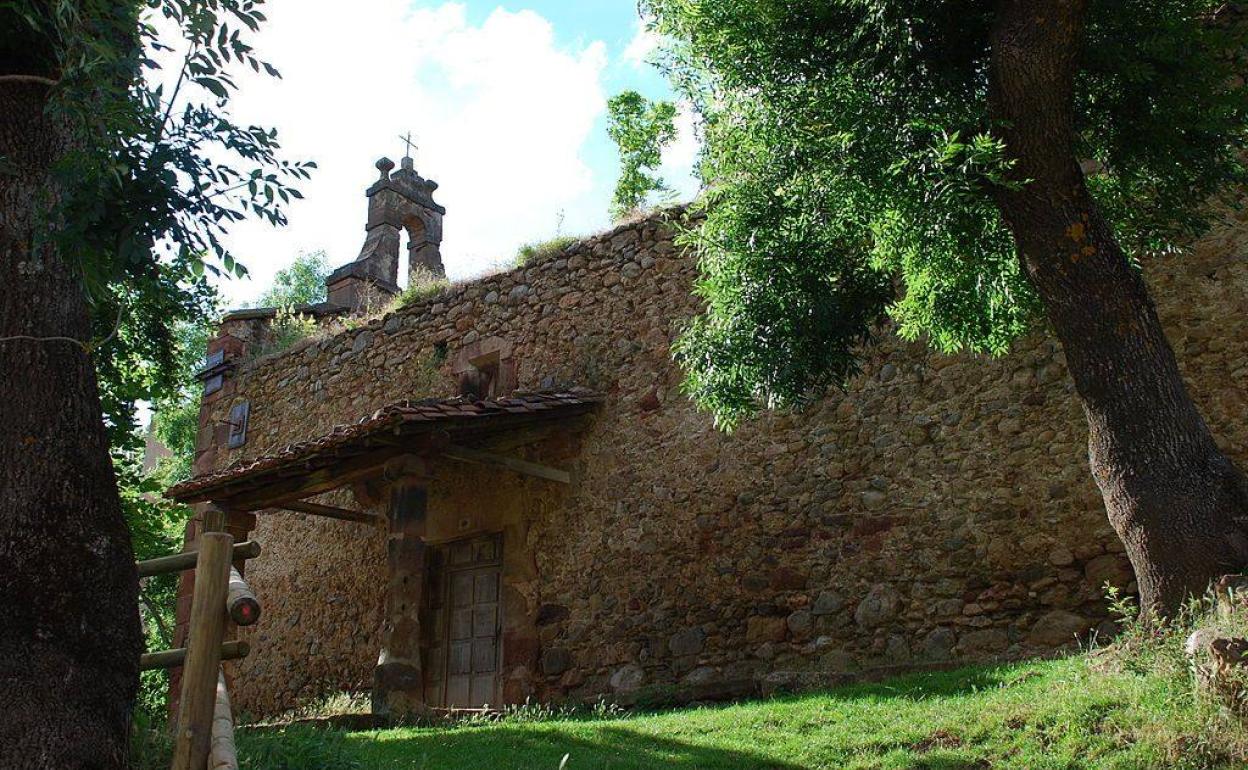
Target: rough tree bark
<point>1179,505</point>
<point>69,634</point>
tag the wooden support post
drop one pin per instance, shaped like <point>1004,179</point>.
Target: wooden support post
<point>213,518</point>
<point>398,679</point>
<point>203,652</point>
<point>240,602</point>
<point>222,755</point>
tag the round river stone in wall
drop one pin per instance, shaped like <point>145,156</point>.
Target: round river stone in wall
<point>627,678</point>
<point>1057,628</point>
<point>897,649</point>
<point>701,675</point>
<point>760,629</point>
<point>686,642</point>
<point>1110,568</point>
<point>827,603</point>
<point>879,606</point>
<point>938,644</point>
<point>984,642</point>
<point>555,661</point>
<point>800,623</point>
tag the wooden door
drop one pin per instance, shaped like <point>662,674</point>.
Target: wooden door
<point>469,639</point>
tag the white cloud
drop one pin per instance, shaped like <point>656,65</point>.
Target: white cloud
<point>500,111</point>
<point>680,156</point>
<point>644,43</point>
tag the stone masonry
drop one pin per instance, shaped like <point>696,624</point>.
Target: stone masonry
<point>941,511</point>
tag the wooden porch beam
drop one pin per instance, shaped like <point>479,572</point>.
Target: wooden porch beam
<point>482,457</point>
<point>275,494</point>
<point>332,512</point>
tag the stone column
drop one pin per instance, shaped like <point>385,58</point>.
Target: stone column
<point>398,680</point>
<point>424,261</point>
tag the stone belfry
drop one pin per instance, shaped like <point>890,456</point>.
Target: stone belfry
<point>397,201</point>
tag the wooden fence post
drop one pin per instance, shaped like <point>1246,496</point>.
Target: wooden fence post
<point>203,652</point>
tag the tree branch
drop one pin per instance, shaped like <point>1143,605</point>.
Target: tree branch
<point>77,342</point>
<point>29,79</point>
<point>161,628</point>
<point>88,347</point>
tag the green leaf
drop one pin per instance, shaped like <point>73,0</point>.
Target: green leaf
<point>213,85</point>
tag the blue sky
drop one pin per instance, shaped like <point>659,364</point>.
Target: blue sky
<point>507,102</point>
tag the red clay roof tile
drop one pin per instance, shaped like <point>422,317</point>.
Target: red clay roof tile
<point>390,418</point>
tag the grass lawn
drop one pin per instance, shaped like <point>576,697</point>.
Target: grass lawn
<point>1052,714</point>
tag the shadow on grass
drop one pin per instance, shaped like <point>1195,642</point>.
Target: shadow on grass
<point>935,684</point>
<point>620,745</point>
<point>916,687</point>
<point>613,747</point>
<point>920,686</point>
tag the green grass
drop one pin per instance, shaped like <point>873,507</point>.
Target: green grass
<point>1065,713</point>
<point>540,251</point>
<point>418,292</point>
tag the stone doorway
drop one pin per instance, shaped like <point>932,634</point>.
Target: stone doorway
<point>465,623</point>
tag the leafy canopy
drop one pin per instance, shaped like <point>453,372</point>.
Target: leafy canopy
<point>850,165</point>
<point>640,129</point>
<point>175,415</point>
<point>157,171</point>
<point>303,283</point>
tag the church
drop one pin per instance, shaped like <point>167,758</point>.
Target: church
<point>497,492</point>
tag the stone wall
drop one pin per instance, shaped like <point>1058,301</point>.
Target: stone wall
<point>940,511</point>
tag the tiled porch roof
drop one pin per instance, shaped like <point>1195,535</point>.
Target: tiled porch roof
<point>459,417</point>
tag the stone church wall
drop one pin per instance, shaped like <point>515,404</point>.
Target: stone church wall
<point>939,512</point>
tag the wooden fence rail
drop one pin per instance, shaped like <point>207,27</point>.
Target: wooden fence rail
<point>163,565</point>
<point>240,602</point>
<point>222,755</point>
<point>204,735</point>
<point>232,650</point>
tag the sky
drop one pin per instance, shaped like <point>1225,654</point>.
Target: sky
<point>506,102</point>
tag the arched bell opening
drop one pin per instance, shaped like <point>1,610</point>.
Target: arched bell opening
<point>424,257</point>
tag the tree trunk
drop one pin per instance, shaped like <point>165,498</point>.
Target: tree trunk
<point>1176,501</point>
<point>69,623</point>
